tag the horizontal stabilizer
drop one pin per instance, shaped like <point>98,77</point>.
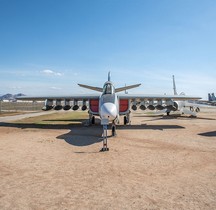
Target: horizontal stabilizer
<point>126,88</point>
<point>91,87</point>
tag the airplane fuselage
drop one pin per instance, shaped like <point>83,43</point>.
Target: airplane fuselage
<point>109,103</point>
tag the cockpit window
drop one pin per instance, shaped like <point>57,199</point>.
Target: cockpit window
<point>108,89</point>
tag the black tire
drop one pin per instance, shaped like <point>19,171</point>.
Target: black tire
<point>93,120</point>
<point>113,131</point>
<point>125,120</point>
<point>168,113</point>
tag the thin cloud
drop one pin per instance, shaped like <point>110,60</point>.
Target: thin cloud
<point>50,72</point>
<point>56,88</point>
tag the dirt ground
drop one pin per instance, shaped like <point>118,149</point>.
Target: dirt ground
<point>155,163</point>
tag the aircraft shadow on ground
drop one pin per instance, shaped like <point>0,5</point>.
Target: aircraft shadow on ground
<point>83,136</point>
<point>208,134</point>
<point>80,135</point>
<point>149,127</point>
<point>39,126</point>
<point>171,117</point>
<point>72,120</point>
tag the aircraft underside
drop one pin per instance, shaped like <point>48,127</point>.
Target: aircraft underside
<point>125,106</point>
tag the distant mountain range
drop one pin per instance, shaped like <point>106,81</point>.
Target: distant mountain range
<point>11,97</point>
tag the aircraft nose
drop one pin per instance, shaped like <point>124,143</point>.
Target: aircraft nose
<point>108,111</point>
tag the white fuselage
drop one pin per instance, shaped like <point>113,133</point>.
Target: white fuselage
<point>109,103</point>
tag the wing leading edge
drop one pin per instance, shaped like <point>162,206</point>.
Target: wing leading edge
<point>157,97</point>
<point>66,97</point>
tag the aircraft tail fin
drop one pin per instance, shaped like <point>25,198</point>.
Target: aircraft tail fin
<point>174,86</point>
<point>209,97</point>
<point>126,88</point>
<point>91,87</point>
<point>213,97</point>
<point>109,76</point>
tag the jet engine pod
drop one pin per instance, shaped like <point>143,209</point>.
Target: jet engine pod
<point>159,107</point>
<point>66,107</point>
<point>58,107</point>
<point>143,107</point>
<point>173,107</point>
<point>47,108</point>
<point>48,105</point>
<point>84,107</point>
<point>151,107</point>
<point>134,107</point>
<point>75,107</point>
<point>197,109</point>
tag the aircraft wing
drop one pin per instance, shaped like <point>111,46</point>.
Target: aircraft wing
<point>55,102</point>
<point>62,97</point>
<point>157,97</point>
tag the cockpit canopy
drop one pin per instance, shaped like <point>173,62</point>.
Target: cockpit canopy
<point>108,89</point>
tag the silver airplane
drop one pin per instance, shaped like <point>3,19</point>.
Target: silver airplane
<point>109,105</point>
<point>182,106</point>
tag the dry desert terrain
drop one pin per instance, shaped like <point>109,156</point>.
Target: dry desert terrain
<point>157,162</point>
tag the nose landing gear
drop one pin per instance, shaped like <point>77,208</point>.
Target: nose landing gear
<point>104,148</point>
<point>113,129</point>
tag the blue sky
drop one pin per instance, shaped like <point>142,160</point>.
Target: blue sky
<point>48,46</point>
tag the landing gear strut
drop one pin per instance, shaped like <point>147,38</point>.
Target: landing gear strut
<point>127,119</point>
<point>113,129</point>
<point>91,119</point>
<point>104,148</point>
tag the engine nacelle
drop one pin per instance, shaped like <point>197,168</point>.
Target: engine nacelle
<point>134,107</point>
<point>84,107</point>
<point>159,107</point>
<point>67,107</point>
<point>75,107</point>
<point>197,109</point>
<point>58,107</point>
<point>142,107</point>
<point>47,108</point>
<point>173,107</point>
<point>48,105</point>
<point>151,107</point>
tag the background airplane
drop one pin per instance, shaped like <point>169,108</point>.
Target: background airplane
<point>183,106</point>
<point>212,98</point>
<point>109,105</point>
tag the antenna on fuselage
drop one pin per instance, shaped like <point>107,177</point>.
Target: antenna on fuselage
<point>109,76</point>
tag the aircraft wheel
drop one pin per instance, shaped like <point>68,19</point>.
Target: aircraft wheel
<point>125,120</point>
<point>168,113</point>
<point>93,120</point>
<point>113,131</point>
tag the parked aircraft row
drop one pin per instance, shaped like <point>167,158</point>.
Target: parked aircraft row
<point>110,104</point>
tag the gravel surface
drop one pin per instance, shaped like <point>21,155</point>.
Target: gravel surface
<point>155,163</point>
